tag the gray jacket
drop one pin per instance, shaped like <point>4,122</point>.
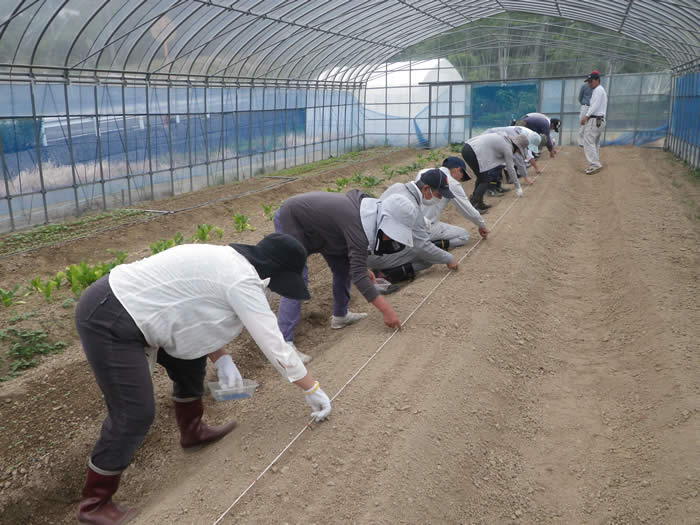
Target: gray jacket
<point>493,150</point>
<point>426,250</point>
<point>584,94</point>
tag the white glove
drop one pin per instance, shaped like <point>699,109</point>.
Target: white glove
<point>318,401</point>
<point>227,372</point>
<point>519,193</point>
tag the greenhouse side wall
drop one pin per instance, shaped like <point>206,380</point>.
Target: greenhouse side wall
<point>69,147</point>
<point>684,132</point>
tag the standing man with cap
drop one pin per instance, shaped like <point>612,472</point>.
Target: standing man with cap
<point>542,124</point>
<point>487,155</point>
<point>584,98</point>
<point>594,123</point>
<point>430,185</point>
<point>344,228</point>
<point>446,235</point>
<point>178,308</point>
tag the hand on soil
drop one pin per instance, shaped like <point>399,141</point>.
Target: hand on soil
<point>391,320</point>
<point>319,403</point>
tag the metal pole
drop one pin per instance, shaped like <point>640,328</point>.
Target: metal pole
<point>694,158</point>
<point>148,136</point>
<point>313,135</point>
<point>337,125</point>
<point>471,109</point>
<point>286,103</point>
<point>636,116</point>
<point>38,152</point>
<point>235,135</point>
<point>206,131</point>
<point>364,123</point>
<point>99,148</point>
<point>449,115</point>
<point>430,117</point>
<point>323,122</point>
<point>6,178</point>
<point>70,147</point>
<point>170,144</point>
<point>222,142</point>
<point>250,132</point>
<point>386,104</point>
<point>561,105</point>
<point>306,119</point>
<point>262,128</point>
<point>126,143</point>
<point>189,136</point>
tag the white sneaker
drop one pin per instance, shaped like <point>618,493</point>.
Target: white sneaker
<point>305,358</point>
<point>348,319</point>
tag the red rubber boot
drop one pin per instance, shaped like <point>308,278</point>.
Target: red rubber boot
<point>193,431</point>
<point>97,507</point>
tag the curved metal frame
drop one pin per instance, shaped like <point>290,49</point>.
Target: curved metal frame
<point>245,43</point>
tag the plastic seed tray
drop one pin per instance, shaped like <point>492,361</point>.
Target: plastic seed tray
<point>242,390</point>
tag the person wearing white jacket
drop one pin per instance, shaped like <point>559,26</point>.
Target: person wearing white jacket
<point>593,123</point>
<point>446,235</point>
<point>179,308</point>
<point>403,265</point>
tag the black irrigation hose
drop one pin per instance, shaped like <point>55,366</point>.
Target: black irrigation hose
<point>158,213</point>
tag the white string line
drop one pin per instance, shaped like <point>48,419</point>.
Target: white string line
<point>308,425</point>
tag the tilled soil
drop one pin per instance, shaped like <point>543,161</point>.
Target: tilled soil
<point>552,379</point>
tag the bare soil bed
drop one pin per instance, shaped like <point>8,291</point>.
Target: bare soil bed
<point>552,379</point>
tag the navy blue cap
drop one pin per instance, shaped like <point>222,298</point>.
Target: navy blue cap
<point>437,180</point>
<point>456,162</point>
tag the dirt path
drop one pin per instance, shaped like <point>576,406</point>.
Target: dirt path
<point>553,379</point>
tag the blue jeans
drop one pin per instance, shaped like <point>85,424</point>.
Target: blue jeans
<point>289,311</point>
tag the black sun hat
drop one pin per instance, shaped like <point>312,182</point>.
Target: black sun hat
<point>281,258</point>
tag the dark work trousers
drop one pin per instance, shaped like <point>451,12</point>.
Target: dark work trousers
<point>483,179</point>
<point>115,349</point>
<point>289,311</point>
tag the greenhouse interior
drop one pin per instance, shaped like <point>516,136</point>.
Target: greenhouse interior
<point>109,103</point>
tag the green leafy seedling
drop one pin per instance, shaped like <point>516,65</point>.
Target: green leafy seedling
<point>202,233</point>
<point>240,223</point>
<point>269,210</point>
<point>370,182</point>
<point>7,296</point>
<point>35,284</point>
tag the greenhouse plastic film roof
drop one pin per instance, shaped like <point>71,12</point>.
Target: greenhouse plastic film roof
<point>287,40</point>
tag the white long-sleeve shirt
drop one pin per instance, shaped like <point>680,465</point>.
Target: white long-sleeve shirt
<point>193,299</point>
<point>599,103</point>
<point>433,208</point>
<point>421,235</point>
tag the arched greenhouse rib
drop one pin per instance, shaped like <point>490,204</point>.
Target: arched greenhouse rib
<point>108,103</point>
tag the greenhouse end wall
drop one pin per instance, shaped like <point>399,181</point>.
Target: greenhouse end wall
<point>684,132</point>
<point>437,112</point>
<point>69,147</point>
